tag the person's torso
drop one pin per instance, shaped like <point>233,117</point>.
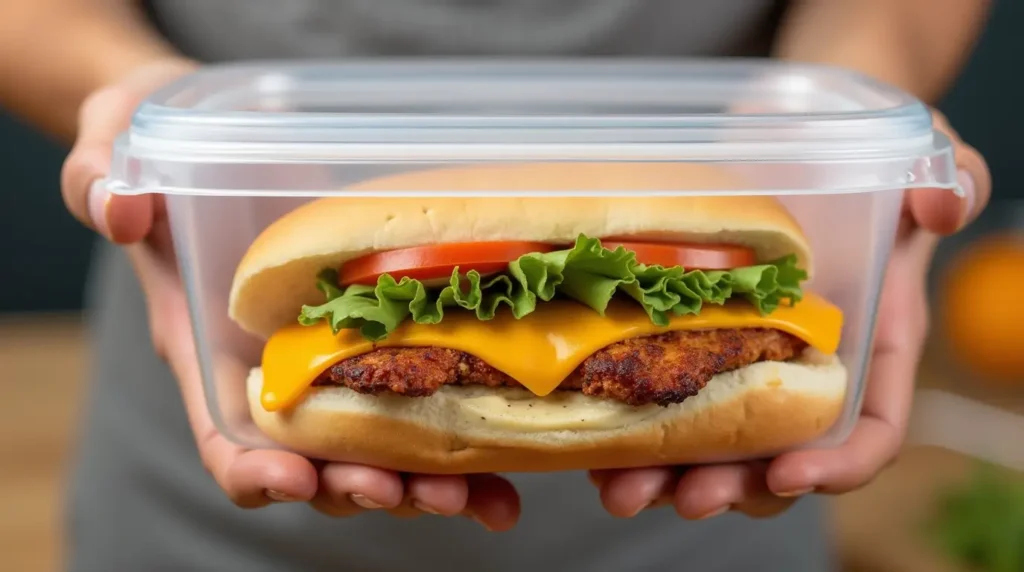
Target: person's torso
<point>138,455</point>
<point>216,30</point>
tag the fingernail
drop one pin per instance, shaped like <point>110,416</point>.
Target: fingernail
<point>477,520</point>
<point>279,496</point>
<point>658,502</point>
<point>966,182</point>
<point>420,506</point>
<point>364,502</point>
<point>714,513</point>
<point>97,202</point>
<point>644,507</point>
<point>796,493</point>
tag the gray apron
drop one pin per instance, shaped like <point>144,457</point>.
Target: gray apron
<point>140,498</point>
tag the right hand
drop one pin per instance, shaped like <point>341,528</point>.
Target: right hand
<point>251,478</point>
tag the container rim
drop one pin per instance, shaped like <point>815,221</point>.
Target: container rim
<point>521,102</point>
<point>314,116</point>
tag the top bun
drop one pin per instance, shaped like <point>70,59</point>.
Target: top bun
<point>277,274</point>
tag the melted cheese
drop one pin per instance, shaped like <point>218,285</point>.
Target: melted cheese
<point>539,351</point>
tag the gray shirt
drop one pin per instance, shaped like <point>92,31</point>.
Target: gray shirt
<point>140,499</point>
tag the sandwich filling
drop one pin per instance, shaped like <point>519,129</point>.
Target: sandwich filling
<point>638,323</point>
<point>661,369</point>
<point>378,292</point>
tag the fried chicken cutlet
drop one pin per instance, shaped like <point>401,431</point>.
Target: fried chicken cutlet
<point>663,369</point>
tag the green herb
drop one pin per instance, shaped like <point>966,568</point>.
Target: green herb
<point>981,524</point>
<point>587,273</point>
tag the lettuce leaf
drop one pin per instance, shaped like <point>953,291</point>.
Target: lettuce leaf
<point>587,273</point>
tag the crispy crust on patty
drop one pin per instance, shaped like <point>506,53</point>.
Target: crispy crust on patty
<point>663,369</point>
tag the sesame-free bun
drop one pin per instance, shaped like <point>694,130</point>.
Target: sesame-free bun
<point>277,275</point>
<point>759,410</point>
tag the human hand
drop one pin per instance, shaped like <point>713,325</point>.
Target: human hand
<point>251,478</point>
<point>765,488</point>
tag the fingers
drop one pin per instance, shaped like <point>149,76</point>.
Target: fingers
<point>698,493</point>
<point>445,495</point>
<point>493,502</point>
<point>256,478</point>
<point>708,491</point>
<point>942,212</point>
<point>878,435</point>
<point>625,493</point>
<point>251,479</point>
<point>976,181</point>
<point>347,490</point>
<point>875,441</point>
<point>873,445</point>
<point>760,490</point>
<point>119,218</point>
<point>102,117</point>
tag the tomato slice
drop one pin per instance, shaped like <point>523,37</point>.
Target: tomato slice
<point>689,256</point>
<point>436,262</point>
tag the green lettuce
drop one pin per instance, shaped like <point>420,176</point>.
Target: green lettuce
<point>588,273</point>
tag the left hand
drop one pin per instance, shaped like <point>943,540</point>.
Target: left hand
<point>766,488</point>
<point>251,478</point>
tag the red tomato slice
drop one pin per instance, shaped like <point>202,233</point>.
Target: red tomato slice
<point>689,256</point>
<point>436,261</point>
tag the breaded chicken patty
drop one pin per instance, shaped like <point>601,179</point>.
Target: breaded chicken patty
<point>662,369</point>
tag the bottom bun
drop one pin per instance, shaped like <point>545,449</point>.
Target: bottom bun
<point>759,410</point>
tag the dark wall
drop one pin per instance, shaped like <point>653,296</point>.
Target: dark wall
<point>985,106</point>
<point>44,253</point>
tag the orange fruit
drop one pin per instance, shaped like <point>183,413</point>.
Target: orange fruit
<point>981,308</point>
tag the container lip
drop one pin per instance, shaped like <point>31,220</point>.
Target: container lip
<point>202,174</point>
<point>559,108</point>
<point>118,187</point>
<point>216,131</point>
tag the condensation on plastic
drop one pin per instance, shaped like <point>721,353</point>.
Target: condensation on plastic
<point>235,147</point>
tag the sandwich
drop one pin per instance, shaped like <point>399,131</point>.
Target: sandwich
<point>464,334</point>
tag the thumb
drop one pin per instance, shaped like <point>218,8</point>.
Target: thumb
<point>943,212</point>
<point>103,115</point>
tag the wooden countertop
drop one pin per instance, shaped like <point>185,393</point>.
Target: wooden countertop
<point>35,434</point>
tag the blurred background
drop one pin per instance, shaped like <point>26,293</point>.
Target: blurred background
<point>935,510</point>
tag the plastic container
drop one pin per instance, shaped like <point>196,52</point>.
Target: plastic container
<point>234,147</point>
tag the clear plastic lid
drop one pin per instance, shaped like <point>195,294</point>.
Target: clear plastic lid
<point>324,126</point>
